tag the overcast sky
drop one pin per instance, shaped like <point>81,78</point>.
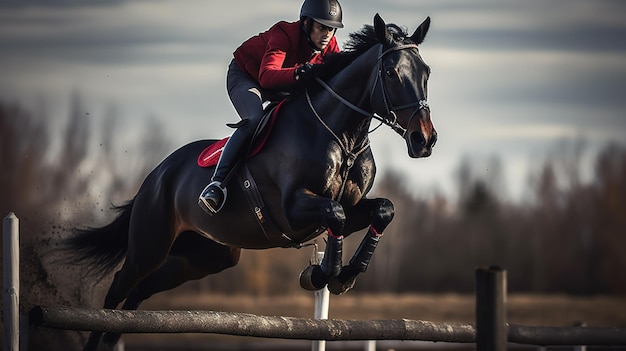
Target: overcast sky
<point>509,78</point>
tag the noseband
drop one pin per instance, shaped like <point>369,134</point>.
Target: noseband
<point>390,119</point>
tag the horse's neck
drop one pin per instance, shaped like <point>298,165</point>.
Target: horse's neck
<point>354,84</point>
<point>355,81</point>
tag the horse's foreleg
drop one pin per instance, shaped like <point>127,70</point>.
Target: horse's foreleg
<point>381,218</point>
<point>316,277</point>
<point>308,208</point>
<point>335,218</point>
<point>382,215</point>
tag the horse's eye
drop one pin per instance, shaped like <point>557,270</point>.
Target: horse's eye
<point>388,72</point>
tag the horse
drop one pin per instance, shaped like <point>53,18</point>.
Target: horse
<point>311,177</point>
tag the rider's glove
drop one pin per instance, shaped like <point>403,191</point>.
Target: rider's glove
<point>305,72</point>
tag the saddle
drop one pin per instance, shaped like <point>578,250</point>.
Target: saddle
<point>210,156</point>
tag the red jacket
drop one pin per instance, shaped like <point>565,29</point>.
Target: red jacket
<point>271,57</point>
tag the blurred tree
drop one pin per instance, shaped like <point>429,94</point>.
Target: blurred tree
<point>567,238</point>
<point>23,146</point>
<point>545,213</point>
<point>45,182</point>
<point>610,219</point>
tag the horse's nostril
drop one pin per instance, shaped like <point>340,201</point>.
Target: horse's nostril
<point>418,140</point>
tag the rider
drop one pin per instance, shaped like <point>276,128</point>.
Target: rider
<point>274,61</point>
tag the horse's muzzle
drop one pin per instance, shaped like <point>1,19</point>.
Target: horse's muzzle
<point>420,144</point>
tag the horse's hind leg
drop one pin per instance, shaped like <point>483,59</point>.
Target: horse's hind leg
<point>192,257</point>
<point>149,242</point>
<point>111,301</point>
<point>125,279</point>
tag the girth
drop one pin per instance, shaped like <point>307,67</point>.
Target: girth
<point>255,201</point>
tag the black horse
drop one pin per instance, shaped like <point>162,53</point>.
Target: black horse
<point>311,177</point>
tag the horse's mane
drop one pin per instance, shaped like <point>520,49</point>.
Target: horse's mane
<point>358,42</point>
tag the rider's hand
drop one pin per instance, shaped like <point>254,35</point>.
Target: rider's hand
<point>305,72</point>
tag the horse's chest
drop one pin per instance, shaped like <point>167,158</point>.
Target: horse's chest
<point>347,191</point>
<point>349,181</point>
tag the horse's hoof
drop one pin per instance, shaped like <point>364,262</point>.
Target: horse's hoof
<point>312,278</point>
<point>340,284</point>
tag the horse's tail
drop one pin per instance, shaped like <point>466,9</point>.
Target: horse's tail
<point>102,249</point>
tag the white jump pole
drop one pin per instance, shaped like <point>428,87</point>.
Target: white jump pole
<point>322,298</point>
<point>11,274</point>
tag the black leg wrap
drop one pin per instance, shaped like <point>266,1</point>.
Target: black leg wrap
<point>364,252</point>
<point>332,262</point>
<point>382,216</point>
<point>335,218</point>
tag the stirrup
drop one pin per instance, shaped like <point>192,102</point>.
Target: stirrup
<point>206,205</point>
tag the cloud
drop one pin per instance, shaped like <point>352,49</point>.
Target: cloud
<point>508,76</point>
<point>11,4</point>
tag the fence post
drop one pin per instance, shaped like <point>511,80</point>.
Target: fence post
<point>322,298</point>
<point>491,328</point>
<point>580,347</point>
<point>11,283</point>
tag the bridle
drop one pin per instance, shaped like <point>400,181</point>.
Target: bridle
<point>390,119</point>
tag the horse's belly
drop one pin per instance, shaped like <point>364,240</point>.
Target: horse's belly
<point>238,233</point>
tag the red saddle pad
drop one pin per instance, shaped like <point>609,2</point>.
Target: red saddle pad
<point>211,154</point>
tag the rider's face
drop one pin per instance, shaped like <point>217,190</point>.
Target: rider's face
<point>321,35</point>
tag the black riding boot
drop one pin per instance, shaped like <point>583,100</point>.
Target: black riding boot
<point>213,196</point>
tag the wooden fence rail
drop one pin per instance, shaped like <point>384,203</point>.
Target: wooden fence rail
<point>245,324</point>
<point>492,333</point>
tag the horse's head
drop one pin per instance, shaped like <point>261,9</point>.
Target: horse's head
<point>403,76</point>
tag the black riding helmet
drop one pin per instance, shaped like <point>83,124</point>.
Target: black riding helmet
<point>326,12</point>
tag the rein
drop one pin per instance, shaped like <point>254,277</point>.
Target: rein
<point>390,119</point>
<point>350,155</point>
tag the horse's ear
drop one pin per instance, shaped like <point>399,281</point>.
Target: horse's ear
<point>420,32</point>
<point>381,31</point>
